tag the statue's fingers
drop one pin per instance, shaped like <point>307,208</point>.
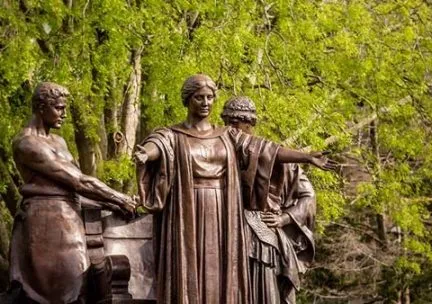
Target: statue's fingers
<point>268,221</point>
<point>135,200</point>
<point>272,224</point>
<point>140,158</point>
<point>267,216</point>
<point>139,147</point>
<point>333,163</point>
<point>135,157</point>
<point>116,208</point>
<point>330,166</point>
<point>267,213</point>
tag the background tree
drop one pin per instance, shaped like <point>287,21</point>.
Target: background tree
<point>351,76</point>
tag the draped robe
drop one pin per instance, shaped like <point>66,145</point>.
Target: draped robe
<point>279,255</point>
<point>167,189</point>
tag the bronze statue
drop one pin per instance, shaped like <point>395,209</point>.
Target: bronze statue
<point>48,254</point>
<point>189,177</point>
<point>134,240</point>
<point>280,229</point>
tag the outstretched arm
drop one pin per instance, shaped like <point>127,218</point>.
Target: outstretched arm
<point>40,157</point>
<point>148,152</point>
<point>317,159</point>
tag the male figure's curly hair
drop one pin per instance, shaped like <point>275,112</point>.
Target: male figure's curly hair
<point>241,108</point>
<point>47,93</point>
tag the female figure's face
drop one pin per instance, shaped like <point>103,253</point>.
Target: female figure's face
<point>201,102</point>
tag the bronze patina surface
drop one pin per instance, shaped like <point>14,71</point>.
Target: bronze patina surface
<point>280,226</point>
<point>49,256</point>
<point>189,176</point>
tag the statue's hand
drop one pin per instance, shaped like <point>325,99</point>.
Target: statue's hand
<point>321,161</point>
<point>275,220</point>
<point>129,205</point>
<point>140,156</point>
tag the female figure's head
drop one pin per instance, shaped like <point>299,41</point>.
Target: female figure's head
<point>198,94</point>
<point>240,112</point>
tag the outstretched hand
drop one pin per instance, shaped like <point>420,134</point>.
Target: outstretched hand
<point>131,204</point>
<point>320,160</point>
<point>128,207</point>
<point>140,157</point>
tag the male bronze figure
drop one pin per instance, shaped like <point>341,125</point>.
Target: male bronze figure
<point>48,254</point>
<point>280,228</point>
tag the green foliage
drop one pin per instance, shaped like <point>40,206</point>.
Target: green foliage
<point>6,217</point>
<point>115,170</point>
<point>313,68</point>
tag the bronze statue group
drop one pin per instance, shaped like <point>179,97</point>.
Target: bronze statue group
<point>233,213</point>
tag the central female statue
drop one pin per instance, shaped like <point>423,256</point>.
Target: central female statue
<point>188,176</point>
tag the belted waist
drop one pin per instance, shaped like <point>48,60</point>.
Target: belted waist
<point>71,198</point>
<point>209,182</point>
<point>38,189</point>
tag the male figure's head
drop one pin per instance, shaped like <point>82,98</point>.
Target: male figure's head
<point>240,112</point>
<point>49,104</point>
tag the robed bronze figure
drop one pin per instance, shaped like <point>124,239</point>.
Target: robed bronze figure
<point>280,228</point>
<point>189,177</point>
<point>48,255</point>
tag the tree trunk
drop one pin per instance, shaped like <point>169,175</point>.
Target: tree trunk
<point>406,299</point>
<point>111,118</point>
<point>86,147</point>
<point>130,114</point>
<point>380,218</point>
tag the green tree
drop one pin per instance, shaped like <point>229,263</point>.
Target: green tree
<point>351,76</point>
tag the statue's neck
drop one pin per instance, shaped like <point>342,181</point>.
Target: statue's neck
<point>199,124</point>
<point>38,127</point>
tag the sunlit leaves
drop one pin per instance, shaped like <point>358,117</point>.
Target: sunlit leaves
<point>315,69</point>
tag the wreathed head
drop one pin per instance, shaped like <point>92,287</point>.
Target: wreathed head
<point>239,109</point>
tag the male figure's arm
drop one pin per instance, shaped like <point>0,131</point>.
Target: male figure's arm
<point>40,157</point>
<point>303,210</point>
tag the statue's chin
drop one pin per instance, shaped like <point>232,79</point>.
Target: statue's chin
<point>204,114</point>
